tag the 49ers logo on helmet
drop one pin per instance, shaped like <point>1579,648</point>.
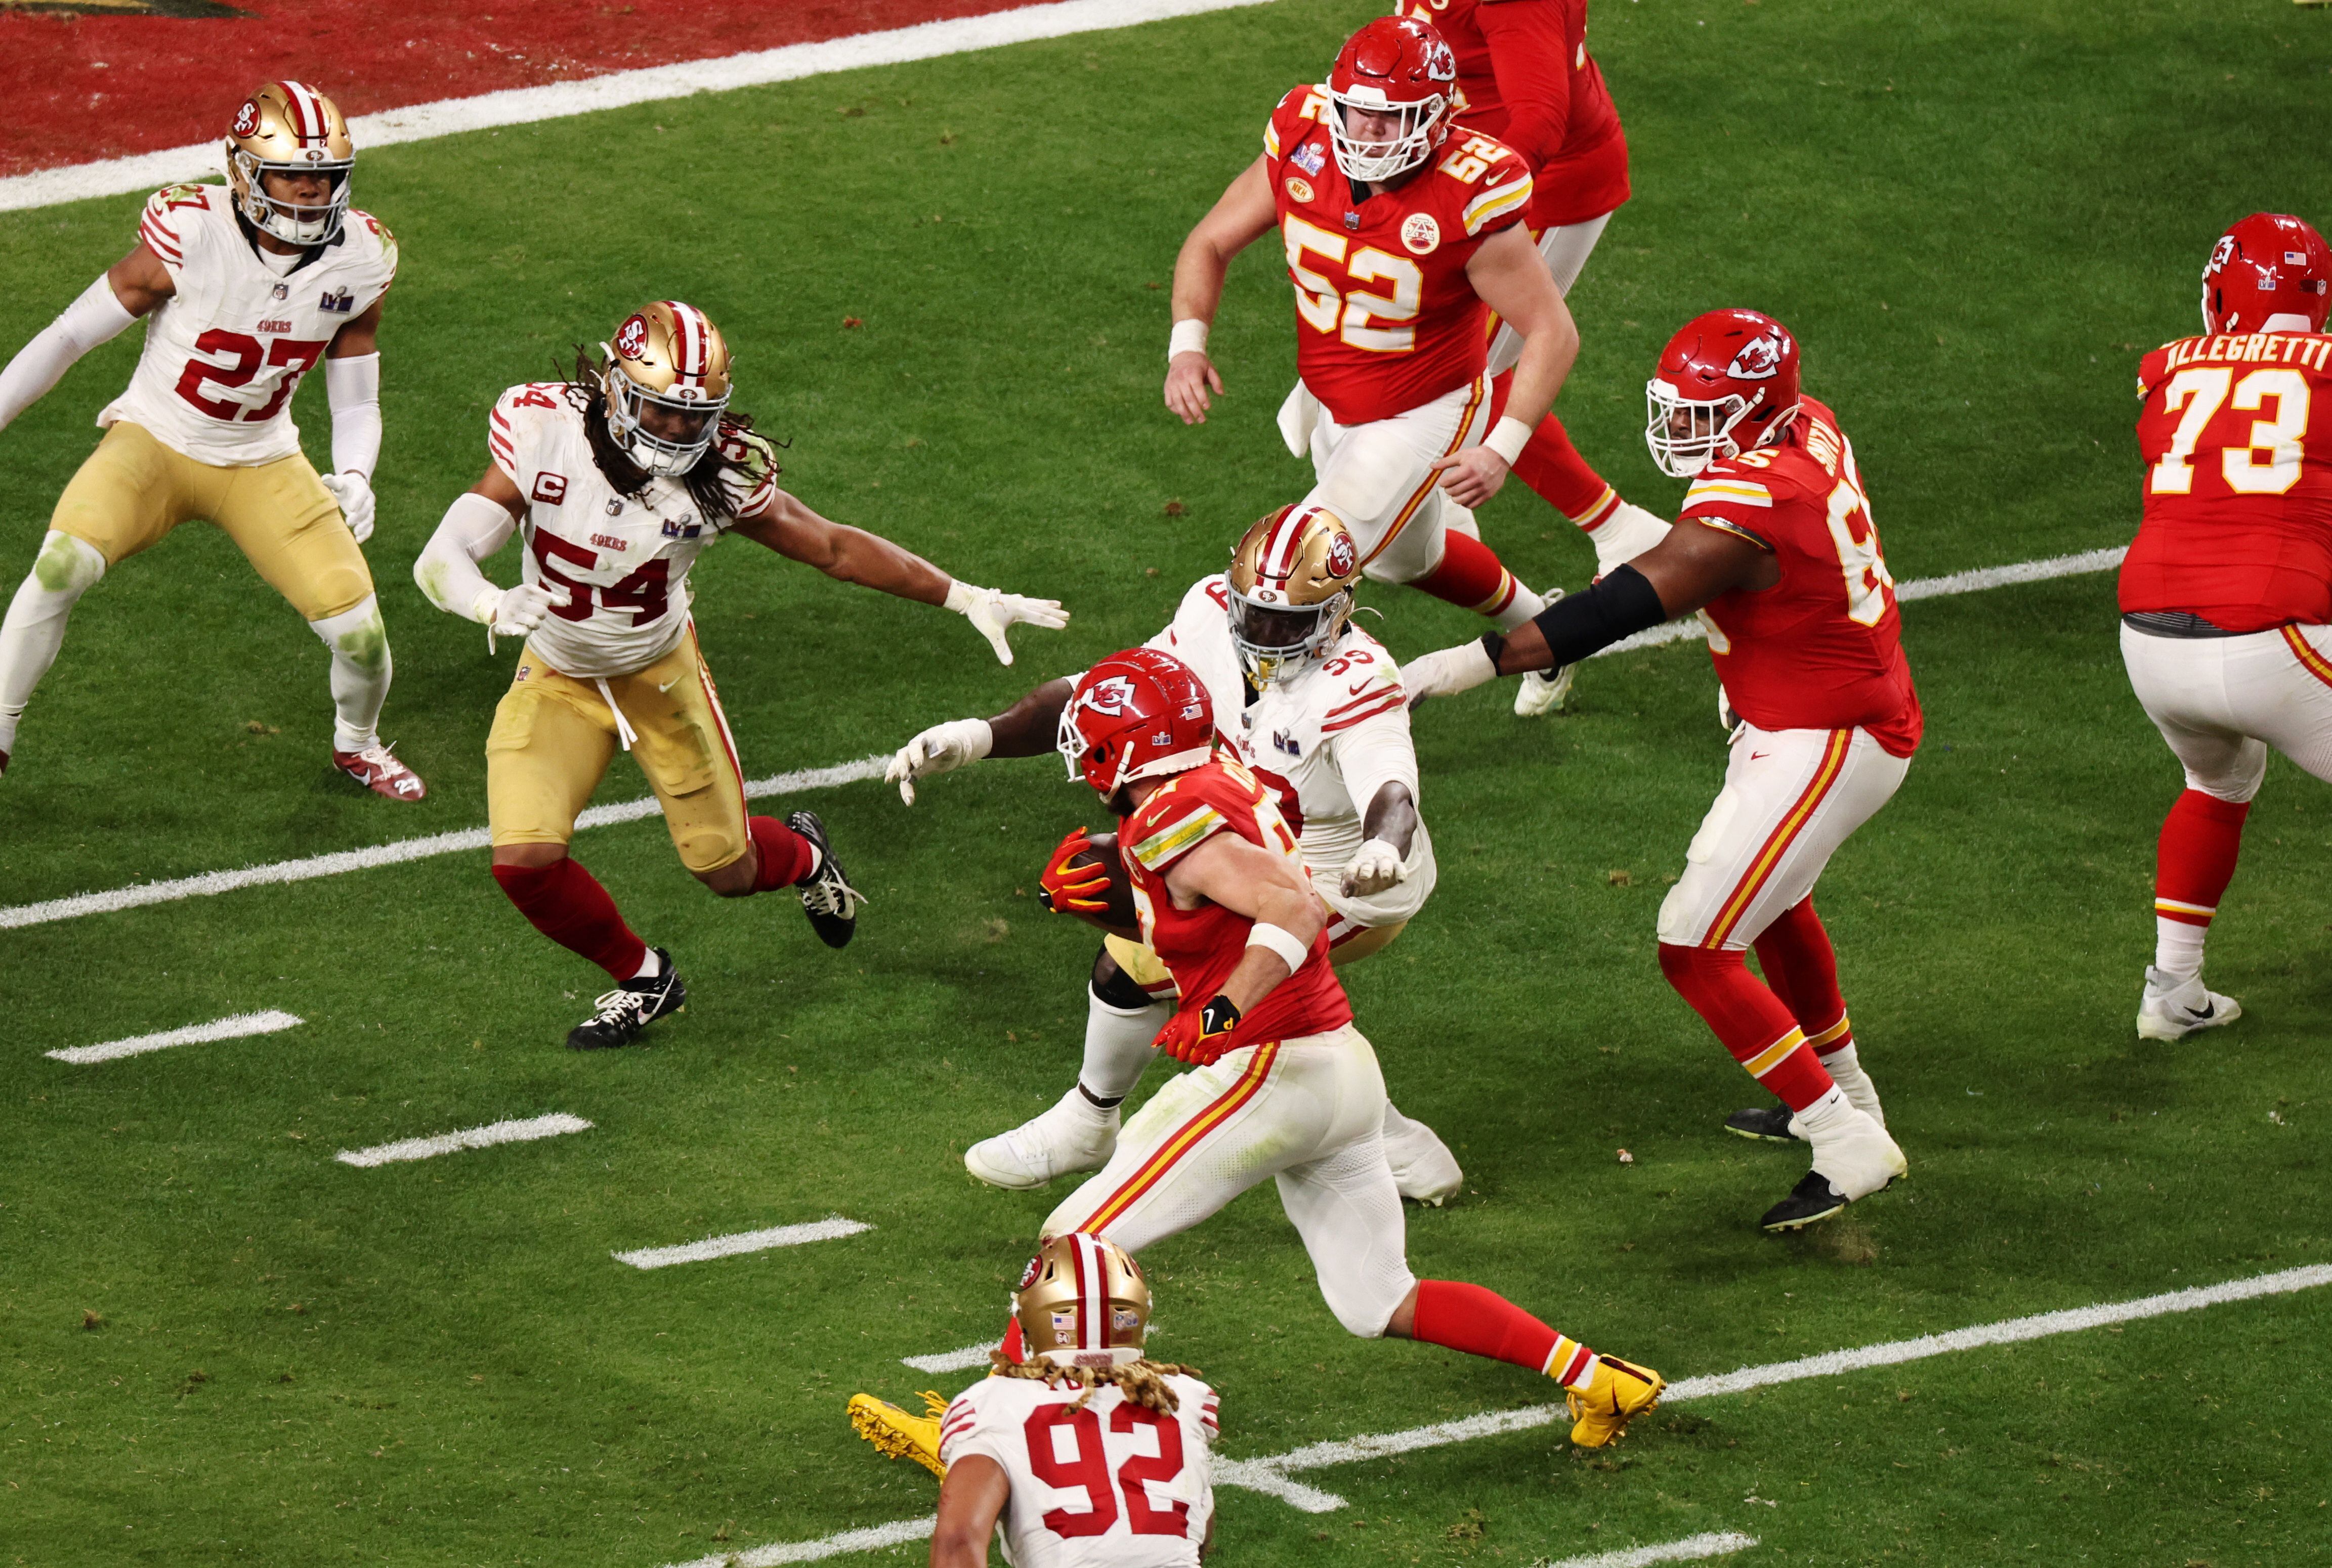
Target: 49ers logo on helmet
<point>1029,1274</point>
<point>1342,556</point>
<point>1113,696</point>
<point>246,118</point>
<point>1760,358</point>
<point>631,338</point>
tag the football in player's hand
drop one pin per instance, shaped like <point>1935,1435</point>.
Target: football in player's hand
<point>1079,873</point>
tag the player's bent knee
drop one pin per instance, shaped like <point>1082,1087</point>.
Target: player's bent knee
<point>67,563</point>
<point>1113,987</point>
<point>2240,781</point>
<point>530,856</point>
<point>1365,1307</point>
<point>734,880</point>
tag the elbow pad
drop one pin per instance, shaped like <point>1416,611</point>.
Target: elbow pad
<point>1579,624</point>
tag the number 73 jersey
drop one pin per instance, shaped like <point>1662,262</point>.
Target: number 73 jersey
<point>1822,648</point>
<point>1097,1483</point>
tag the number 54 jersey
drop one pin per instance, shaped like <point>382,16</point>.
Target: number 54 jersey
<point>1097,1483</point>
<point>615,565</point>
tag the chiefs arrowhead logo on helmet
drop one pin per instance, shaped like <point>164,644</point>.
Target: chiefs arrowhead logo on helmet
<point>1114,696</point>
<point>1760,358</point>
<point>632,337</point>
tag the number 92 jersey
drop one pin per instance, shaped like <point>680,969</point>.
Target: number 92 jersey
<point>615,565</point>
<point>1112,1485</point>
<point>225,352</point>
<point>1822,648</point>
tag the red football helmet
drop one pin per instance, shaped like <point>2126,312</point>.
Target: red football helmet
<point>2271,271</point>
<point>1138,714</point>
<point>1727,383</point>
<point>1394,63</point>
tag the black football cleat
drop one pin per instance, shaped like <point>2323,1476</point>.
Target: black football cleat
<point>627,1011</point>
<point>827,897</point>
<point>1766,1124</point>
<point>1812,1200</point>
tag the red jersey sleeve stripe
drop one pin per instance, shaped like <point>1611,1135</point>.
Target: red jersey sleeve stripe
<point>159,241</point>
<point>1363,701</point>
<point>1392,704</point>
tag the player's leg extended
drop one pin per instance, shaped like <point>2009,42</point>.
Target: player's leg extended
<point>128,494</point>
<point>1801,968</point>
<point>1791,797</point>
<point>290,529</point>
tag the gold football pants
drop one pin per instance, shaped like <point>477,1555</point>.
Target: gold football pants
<point>132,491</point>
<point>554,735</point>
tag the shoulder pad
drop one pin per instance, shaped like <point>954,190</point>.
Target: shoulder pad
<point>161,226</point>
<point>359,222</point>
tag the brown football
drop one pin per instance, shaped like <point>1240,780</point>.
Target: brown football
<point>1119,919</point>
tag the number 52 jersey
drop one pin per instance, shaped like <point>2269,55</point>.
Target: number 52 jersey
<point>1112,1485</point>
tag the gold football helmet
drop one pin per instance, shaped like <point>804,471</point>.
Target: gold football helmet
<point>668,368</point>
<point>288,128</point>
<point>1291,581</point>
<point>1083,1302</point>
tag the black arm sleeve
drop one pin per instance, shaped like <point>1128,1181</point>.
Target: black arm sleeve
<point>1577,624</point>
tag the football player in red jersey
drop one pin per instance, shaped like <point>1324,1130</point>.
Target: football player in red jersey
<point>1284,1086</point>
<point>1528,81</point>
<point>1402,235</point>
<point>2227,593</point>
<point>1783,567</point>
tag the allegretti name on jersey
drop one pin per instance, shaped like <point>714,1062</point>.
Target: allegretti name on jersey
<point>2311,349</point>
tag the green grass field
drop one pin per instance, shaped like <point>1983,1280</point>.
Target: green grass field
<point>217,1345</point>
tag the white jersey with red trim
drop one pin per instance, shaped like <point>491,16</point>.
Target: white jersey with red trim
<point>1326,740</point>
<point>225,351</point>
<point>1097,1481</point>
<point>617,566</point>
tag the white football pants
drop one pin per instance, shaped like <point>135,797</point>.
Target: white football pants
<point>1305,1112</point>
<point>1790,798</point>
<point>1379,477</point>
<point>2222,701</point>
<point>1567,248</point>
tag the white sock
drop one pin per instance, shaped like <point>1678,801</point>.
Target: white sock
<point>1526,606</point>
<point>650,966</point>
<point>2178,948</point>
<point>1826,1113</point>
<point>1117,1046</point>
<point>35,629</point>
<point>1845,1069</point>
<point>360,672</point>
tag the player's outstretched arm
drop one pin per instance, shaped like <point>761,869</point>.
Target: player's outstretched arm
<point>1242,215</point>
<point>104,311</point>
<point>971,1499</point>
<point>852,555</point>
<point>1387,830</point>
<point>1510,276</point>
<point>1027,729</point>
<point>480,521</point>
<point>352,387</point>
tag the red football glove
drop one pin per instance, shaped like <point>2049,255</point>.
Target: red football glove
<point>1199,1035</point>
<point>1074,889</point>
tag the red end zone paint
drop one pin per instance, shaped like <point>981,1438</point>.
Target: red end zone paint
<point>80,87</point>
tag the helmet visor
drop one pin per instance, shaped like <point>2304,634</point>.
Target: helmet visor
<point>1381,140</point>
<point>282,199</point>
<point>663,434</point>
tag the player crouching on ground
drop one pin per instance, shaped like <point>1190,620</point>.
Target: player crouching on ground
<point>1783,567</point>
<point>617,481</point>
<point>1323,720</point>
<point>243,289</point>
<point>1136,1489</point>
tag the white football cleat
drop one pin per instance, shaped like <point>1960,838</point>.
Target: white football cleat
<point>2173,1010</point>
<point>1423,1168</point>
<point>1074,1136</point>
<point>1539,694</point>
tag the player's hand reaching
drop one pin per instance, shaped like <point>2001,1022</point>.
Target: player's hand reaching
<point>943,748</point>
<point>1189,375</point>
<point>1473,475</point>
<point>1199,1035</point>
<point>1067,890</point>
<point>1446,671</point>
<point>993,612</point>
<point>1374,866</point>
<point>354,493</point>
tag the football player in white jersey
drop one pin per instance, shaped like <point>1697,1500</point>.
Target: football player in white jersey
<point>616,481</point>
<point>244,286</point>
<point>1087,1455</point>
<point>1324,721</point>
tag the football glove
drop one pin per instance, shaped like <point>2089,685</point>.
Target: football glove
<point>354,493</point>
<point>510,612</point>
<point>1374,866</point>
<point>943,748</point>
<point>1446,671</point>
<point>993,612</point>
<point>1201,1034</point>
<point>1074,889</point>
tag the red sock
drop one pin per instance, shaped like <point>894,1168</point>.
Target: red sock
<point>1802,967</point>
<point>786,855</point>
<point>567,904</point>
<point>1484,1322</point>
<point>1760,1032</point>
<point>1552,467</point>
<point>1470,576</point>
<point>2195,857</point>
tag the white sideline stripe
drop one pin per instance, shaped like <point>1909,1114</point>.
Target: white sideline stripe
<point>1268,1473</point>
<point>392,854</point>
<point>235,1027</point>
<point>621,89</point>
<point>1975,582</point>
<point>963,1360</point>
<point>829,1229</point>
<point>519,1132</point>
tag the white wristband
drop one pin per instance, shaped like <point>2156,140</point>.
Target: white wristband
<point>1282,941</point>
<point>1509,438</point>
<point>482,608</point>
<point>1189,336</point>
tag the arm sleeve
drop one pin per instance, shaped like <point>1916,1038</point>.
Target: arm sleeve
<point>473,528</point>
<point>1170,834</point>
<point>1579,624</point>
<point>1530,54</point>
<point>96,317</point>
<point>352,386</point>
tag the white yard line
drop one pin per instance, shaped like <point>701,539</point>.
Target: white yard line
<point>619,90</point>
<point>392,854</point>
<point>521,1131</point>
<point>832,1228</point>
<point>235,1027</point>
<point>963,1360</point>
<point>1691,1549</point>
<point>873,1538</point>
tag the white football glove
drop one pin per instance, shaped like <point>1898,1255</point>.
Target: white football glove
<point>509,612</point>
<point>1446,671</point>
<point>1375,866</point>
<point>353,492</point>
<point>992,611</point>
<point>943,748</point>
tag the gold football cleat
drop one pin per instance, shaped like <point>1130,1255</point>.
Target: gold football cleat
<point>897,1435</point>
<point>1600,1413</point>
